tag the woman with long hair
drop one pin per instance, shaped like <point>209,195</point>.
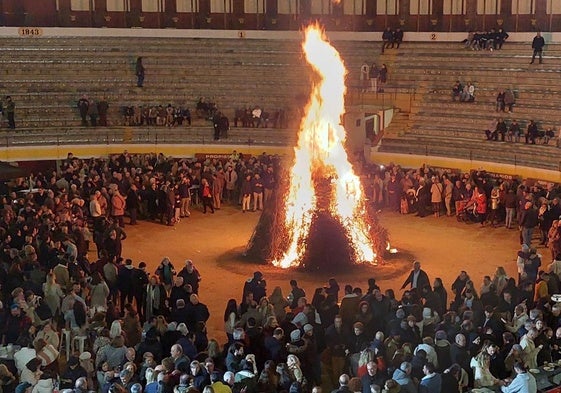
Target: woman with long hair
<point>99,293</point>
<point>131,326</point>
<point>279,303</point>
<point>554,239</point>
<point>52,293</point>
<point>440,291</point>
<point>231,318</point>
<point>500,280</point>
<point>155,298</point>
<point>265,310</point>
<point>482,375</point>
<point>294,369</point>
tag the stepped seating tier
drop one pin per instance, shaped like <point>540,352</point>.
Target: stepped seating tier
<point>437,126</point>
<point>46,77</point>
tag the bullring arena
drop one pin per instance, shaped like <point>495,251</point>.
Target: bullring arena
<point>235,61</point>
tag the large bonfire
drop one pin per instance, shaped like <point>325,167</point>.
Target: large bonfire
<point>323,219</point>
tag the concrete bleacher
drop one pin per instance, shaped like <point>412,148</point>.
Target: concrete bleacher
<point>438,126</point>
<point>46,76</point>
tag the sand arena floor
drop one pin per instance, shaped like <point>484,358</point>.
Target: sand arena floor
<point>215,243</point>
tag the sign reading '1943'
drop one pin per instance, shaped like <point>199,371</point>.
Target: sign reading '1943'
<point>30,32</point>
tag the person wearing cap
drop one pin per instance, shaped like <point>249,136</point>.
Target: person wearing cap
<point>522,383</point>
<point>190,275</point>
<point>402,376</point>
<point>442,349</point>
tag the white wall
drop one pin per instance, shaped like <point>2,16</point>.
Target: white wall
<point>258,34</point>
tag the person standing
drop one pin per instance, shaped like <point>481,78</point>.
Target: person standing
<point>133,203</point>
<point>118,205</point>
<point>206,196</point>
<point>139,72</point>
<point>528,221</point>
<point>102,108</point>
<point>436,191</point>
<point>93,113</point>
<point>364,75</point>
<point>382,77</point>
<point>447,194</point>
<point>268,184</point>
<point>246,192</point>
<point>9,109</point>
<point>185,195</point>
<point>257,187</point>
<point>373,75</point>
<point>83,104</point>
<point>537,45</point>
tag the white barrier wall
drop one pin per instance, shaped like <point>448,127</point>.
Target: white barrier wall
<point>31,32</point>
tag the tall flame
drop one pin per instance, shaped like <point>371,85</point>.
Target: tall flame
<point>320,152</point>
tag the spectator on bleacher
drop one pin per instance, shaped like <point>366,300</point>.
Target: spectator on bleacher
<point>102,109</point>
<point>170,110</point>
<point>469,40</point>
<point>514,132</point>
<point>500,37</point>
<point>491,132</point>
<point>364,76</point>
<point>537,45</point>
<point>373,74</point>
<point>161,115</point>
<point>509,100</point>
<point>531,132</point>
<point>500,106</point>
<point>382,77</point>
<point>468,93</point>
<point>9,108</point>
<point>93,113</point>
<point>83,105</point>
<point>216,124</point>
<point>137,115</point>
<point>457,90</point>
<point>387,38</point>
<point>501,129</point>
<point>397,38</point>
<point>139,72</point>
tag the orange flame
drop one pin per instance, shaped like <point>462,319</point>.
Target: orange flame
<point>320,151</point>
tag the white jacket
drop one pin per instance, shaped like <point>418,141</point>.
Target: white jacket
<point>43,386</point>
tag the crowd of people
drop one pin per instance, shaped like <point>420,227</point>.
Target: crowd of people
<point>125,329</point>
<point>373,78</point>
<point>490,40</point>
<point>156,115</point>
<point>463,93</point>
<point>513,132</point>
<point>391,38</point>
